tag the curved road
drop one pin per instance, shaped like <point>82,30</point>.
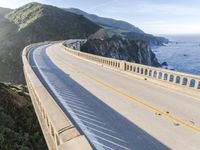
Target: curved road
<point>114,110</point>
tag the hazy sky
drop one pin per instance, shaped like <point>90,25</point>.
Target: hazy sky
<point>152,16</point>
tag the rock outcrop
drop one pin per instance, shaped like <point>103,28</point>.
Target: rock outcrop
<point>124,49</point>
<point>100,34</point>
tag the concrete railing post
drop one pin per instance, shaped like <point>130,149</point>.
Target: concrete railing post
<point>175,79</point>
<point>123,65</point>
<point>181,80</point>
<point>196,84</point>
<point>188,82</point>
<point>44,105</point>
<point>167,75</point>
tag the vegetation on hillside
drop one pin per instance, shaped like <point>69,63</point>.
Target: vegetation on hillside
<point>33,23</point>
<point>19,128</point>
<point>121,28</point>
<point>114,31</point>
<point>49,20</point>
<point>107,22</point>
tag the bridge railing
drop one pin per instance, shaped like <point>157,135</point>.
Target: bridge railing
<point>58,130</point>
<point>147,72</point>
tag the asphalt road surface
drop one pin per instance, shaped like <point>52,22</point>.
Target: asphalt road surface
<point>114,110</point>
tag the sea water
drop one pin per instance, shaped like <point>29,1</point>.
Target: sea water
<point>181,54</point>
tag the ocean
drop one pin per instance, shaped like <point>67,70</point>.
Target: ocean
<point>181,54</point>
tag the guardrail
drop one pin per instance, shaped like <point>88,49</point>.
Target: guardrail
<point>58,130</point>
<point>167,76</point>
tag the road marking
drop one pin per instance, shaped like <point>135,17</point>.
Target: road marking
<point>171,117</point>
<point>129,75</point>
<point>139,101</point>
<point>106,134</point>
<point>103,145</point>
<point>111,142</point>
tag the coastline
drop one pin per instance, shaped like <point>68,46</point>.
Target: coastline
<point>182,54</point>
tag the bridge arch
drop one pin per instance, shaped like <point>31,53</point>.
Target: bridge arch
<point>146,72</point>
<point>198,87</point>
<point>171,78</point>
<point>138,69</point>
<point>131,68</point>
<point>185,81</point>
<point>192,83</point>
<point>160,75</point>
<point>127,67</point>
<point>166,76</point>
<point>134,69</point>
<point>178,79</point>
<point>142,71</point>
<point>155,74</point>
<point>150,73</point>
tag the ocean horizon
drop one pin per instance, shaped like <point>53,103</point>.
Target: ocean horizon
<point>182,53</point>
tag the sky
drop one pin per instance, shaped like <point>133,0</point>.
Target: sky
<point>159,17</point>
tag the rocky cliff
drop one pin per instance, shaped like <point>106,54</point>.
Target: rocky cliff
<point>19,128</point>
<point>124,49</point>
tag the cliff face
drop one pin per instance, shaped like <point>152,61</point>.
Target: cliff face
<point>19,128</point>
<point>124,49</point>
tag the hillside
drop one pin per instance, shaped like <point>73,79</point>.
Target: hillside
<point>152,40</point>
<point>19,128</point>
<point>32,23</point>
<point>52,22</point>
<point>117,24</point>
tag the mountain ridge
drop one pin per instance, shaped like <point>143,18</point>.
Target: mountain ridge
<point>106,21</point>
<point>30,13</point>
<point>34,23</point>
<point>121,28</point>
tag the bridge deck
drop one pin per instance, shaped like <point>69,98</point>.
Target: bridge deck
<point>115,110</point>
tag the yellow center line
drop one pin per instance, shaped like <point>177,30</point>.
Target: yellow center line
<point>139,101</point>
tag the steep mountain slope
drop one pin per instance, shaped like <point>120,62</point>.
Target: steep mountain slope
<point>124,49</point>
<point>19,128</point>
<point>32,23</point>
<point>52,22</point>
<point>117,24</point>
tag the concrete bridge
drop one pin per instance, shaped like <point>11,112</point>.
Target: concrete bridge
<point>84,101</point>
